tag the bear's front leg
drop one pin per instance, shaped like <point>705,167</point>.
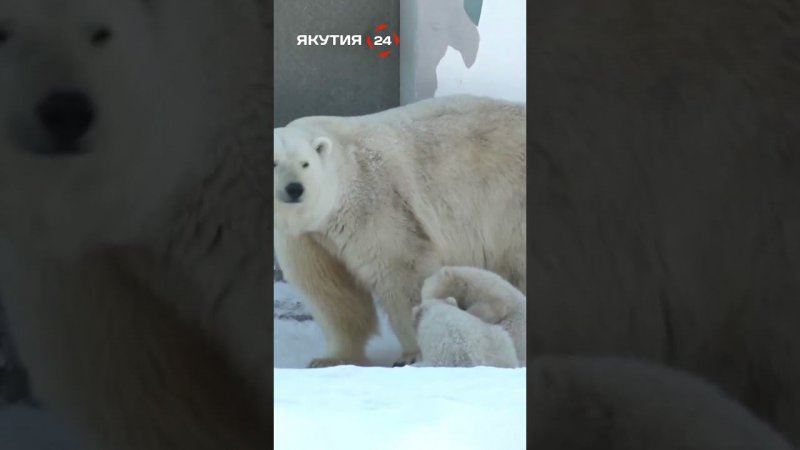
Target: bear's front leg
<point>342,308</point>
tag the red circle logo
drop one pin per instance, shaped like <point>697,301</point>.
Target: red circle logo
<point>383,40</point>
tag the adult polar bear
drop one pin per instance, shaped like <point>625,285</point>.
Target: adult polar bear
<point>374,204</point>
<point>134,255</point>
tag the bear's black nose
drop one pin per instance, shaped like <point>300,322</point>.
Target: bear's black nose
<point>295,190</point>
<point>67,116</point>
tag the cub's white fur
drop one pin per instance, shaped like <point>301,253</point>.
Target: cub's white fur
<point>450,337</point>
<point>485,295</point>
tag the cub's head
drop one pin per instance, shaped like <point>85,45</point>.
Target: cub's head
<point>419,311</point>
<point>105,106</point>
<point>307,179</point>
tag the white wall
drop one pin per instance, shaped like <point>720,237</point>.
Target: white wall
<point>443,52</point>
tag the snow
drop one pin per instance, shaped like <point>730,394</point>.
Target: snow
<point>499,69</point>
<point>357,408</point>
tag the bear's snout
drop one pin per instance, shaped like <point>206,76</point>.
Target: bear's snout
<point>294,190</point>
<point>66,117</point>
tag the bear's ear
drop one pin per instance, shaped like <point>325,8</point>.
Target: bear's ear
<point>451,301</point>
<point>322,145</point>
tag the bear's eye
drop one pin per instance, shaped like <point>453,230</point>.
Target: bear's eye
<point>5,35</point>
<point>100,36</point>
<point>305,164</point>
<point>274,163</point>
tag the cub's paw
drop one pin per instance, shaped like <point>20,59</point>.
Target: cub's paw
<point>406,360</point>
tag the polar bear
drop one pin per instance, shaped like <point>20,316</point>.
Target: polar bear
<point>134,236</point>
<point>372,205</point>
<point>665,190</point>
<point>450,337</point>
<point>583,403</point>
<point>485,295</point>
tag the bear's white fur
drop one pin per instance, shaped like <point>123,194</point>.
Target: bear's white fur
<point>450,337</point>
<point>390,197</point>
<point>485,295</point>
<point>582,403</point>
<point>135,264</point>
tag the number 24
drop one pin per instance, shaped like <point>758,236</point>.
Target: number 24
<point>383,40</point>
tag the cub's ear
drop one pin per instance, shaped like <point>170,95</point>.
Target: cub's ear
<point>445,272</point>
<point>322,145</point>
<point>451,301</point>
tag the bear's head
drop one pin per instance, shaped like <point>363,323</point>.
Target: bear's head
<point>307,177</point>
<point>107,106</point>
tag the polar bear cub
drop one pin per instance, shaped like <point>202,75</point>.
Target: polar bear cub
<point>485,295</point>
<point>450,337</point>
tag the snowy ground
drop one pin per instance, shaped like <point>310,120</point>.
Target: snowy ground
<point>349,407</point>
<point>352,408</point>
<point>358,408</point>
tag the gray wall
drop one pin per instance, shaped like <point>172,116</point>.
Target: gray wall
<point>333,80</point>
